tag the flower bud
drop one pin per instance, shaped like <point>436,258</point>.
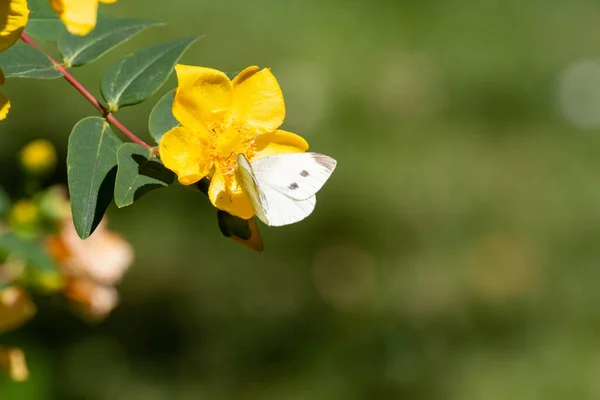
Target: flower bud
<point>38,157</point>
<point>24,214</point>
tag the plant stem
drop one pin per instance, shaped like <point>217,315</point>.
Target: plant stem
<point>85,93</point>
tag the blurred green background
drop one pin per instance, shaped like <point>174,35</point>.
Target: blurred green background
<point>454,253</point>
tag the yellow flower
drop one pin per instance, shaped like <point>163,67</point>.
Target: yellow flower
<point>220,118</point>
<point>13,18</point>
<point>79,16</point>
<point>24,214</point>
<point>38,156</point>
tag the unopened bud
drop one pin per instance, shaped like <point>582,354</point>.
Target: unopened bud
<point>24,214</point>
<point>38,157</point>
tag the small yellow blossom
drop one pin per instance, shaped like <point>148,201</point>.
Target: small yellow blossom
<point>12,361</point>
<point>13,18</point>
<point>24,213</point>
<point>220,118</point>
<point>79,16</point>
<point>38,156</point>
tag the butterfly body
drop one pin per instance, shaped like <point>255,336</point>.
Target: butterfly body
<point>282,187</point>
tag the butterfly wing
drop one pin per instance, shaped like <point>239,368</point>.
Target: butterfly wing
<point>271,207</point>
<point>246,179</point>
<point>283,210</point>
<point>297,175</point>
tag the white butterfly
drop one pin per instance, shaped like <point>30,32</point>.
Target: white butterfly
<point>282,187</point>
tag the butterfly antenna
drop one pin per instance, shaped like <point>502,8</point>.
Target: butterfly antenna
<point>232,169</point>
<point>250,142</point>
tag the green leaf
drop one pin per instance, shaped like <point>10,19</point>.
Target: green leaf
<point>91,170</point>
<point>201,186</point>
<point>108,34</point>
<point>25,61</point>
<point>136,77</point>
<point>43,22</point>
<point>161,118</point>
<point>242,231</point>
<point>139,173</point>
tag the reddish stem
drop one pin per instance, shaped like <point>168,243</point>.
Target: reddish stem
<point>90,97</point>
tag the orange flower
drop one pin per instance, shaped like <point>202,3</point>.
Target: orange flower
<point>92,266</point>
<point>103,258</point>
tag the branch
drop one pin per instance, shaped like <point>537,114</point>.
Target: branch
<point>89,97</point>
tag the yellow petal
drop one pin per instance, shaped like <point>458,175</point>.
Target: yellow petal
<point>257,101</point>
<point>13,18</point>
<point>4,106</point>
<point>278,142</point>
<point>79,16</point>
<point>232,142</point>
<point>107,1</point>
<point>202,98</point>
<point>187,153</point>
<point>225,194</point>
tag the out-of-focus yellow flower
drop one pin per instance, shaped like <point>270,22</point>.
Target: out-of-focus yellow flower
<point>38,156</point>
<point>79,16</point>
<point>12,361</point>
<point>16,308</point>
<point>24,214</point>
<point>219,118</point>
<point>13,18</point>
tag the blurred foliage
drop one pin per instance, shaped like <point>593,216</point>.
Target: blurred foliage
<point>452,255</point>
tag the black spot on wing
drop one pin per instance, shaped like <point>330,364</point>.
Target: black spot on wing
<point>304,173</point>
<point>325,161</point>
<point>293,186</point>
